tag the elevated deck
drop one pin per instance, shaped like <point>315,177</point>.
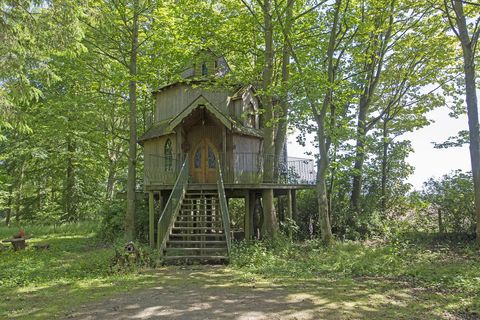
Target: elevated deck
<point>242,171</point>
<point>234,189</point>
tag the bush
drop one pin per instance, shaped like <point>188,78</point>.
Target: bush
<point>113,220</point>
<point>450,203</point>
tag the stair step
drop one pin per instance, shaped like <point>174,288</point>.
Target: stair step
<point>203,202</point>
<point>191,217</point>
<point>188,213</point>
<point>192,235</point>
<point>196,242</point>
<point>202,193</point>
<point>195,228</point>
<point>182,222</point>
<point>198,205</point>
<point>195,249</point>
<point>196,257</point>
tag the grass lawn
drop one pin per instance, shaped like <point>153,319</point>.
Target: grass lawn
<point>403,279</point>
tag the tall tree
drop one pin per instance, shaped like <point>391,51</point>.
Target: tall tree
<point>271,225</point>
<point>132,146</point>
<point>464,20</point>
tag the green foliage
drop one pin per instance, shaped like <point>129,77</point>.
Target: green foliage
<point>449,203</point>
<point>73,255</point>
<point>420,260</point>
<point>112,224</point>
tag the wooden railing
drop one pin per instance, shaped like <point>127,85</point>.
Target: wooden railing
<point>222,199</point>
<point>170,212</point>
<point>237,168</point>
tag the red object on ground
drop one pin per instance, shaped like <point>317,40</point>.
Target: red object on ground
<point>21,234</point>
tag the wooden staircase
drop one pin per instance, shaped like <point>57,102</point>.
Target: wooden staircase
<point>197,234</point>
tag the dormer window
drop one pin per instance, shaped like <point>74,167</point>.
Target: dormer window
<point>251,116</point>
<point>204,69</point>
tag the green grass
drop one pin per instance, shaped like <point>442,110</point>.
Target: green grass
<point>438,267</point>
<point>442,275</point>
<point>75,270</point>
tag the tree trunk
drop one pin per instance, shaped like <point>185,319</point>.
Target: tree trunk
<point>373,70</point>
<point>69,195</point>
<point>18,196</point>
<point>271,226</point>
<point>472,107</point>
<point>384,166</point>
<point>359,154</point>
<point>440,221</point>
<point>132,147</point>
<point>281,134</point>
<point>9,206</point>
<point>322,165</point>
<point>112,168</point>
<point>331,185</point>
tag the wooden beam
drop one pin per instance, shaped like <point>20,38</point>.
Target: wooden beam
<point>249,208</point>
<point>289,213</point>
<point>248,230</point>
<point>151,219</point>
<point>294,203</point>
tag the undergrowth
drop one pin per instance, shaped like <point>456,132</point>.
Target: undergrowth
<point>424,263</point>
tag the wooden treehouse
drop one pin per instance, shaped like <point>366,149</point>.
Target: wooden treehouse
<point>203,148</point>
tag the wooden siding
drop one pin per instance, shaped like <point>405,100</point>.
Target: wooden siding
<point>157,168</point>
<point>246,160</point>
<point>175,99</point>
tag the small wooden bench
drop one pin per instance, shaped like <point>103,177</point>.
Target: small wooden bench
<point>17,243</point>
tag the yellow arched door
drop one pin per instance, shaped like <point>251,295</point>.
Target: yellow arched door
<point>203,165</point>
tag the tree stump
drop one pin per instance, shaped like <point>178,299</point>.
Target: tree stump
<point>17,243</point>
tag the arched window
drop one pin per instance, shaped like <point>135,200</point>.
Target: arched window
<point>250,121</point>
<point>204,69</point>
<point>168,155</point>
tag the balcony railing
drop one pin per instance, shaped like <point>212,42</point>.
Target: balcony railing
<point>237,168</point>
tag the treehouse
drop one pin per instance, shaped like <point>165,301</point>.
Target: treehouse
<point>204,147</point>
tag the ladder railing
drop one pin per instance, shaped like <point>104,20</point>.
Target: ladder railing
<point>222,199</point>
<point>172,207</point>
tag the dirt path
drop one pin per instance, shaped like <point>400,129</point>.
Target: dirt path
<point>206,293</point>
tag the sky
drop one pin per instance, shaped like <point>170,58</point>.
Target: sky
<point>428,161</point>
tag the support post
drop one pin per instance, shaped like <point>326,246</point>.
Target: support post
<point>294,203</point>
<point>289,213</point>
<point>248,230</point>
<point>151,219</point>
<point>249,208</point>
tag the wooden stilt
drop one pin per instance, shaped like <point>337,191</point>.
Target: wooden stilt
<point>151,219</point>
<point>247,221</point>
<point>294,203</point>
<point>289,213</point>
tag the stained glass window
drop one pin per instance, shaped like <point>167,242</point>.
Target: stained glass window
<point>204,69</point>
<point>212,161</point>
<point>168,155</point>
<point>198,158</point>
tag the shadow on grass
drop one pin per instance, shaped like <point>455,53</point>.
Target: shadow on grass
<point>203,293</point>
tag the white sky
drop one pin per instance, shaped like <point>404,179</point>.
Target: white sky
<point>428,161</point>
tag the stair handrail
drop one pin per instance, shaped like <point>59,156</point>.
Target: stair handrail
<point>224,207</point>
<point>172,207</point>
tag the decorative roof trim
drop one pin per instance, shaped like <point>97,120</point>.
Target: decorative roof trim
<point>200,102</point>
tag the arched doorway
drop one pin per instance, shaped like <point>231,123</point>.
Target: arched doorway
<point>203,166</point>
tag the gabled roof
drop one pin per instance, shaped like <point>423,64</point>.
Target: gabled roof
<point>246,131</point>
<point>201,102</point>
<point>157,130</point>
<point>239,93</point>
<point>168,126</point>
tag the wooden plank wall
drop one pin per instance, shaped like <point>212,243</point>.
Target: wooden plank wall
<point>171,101</point>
